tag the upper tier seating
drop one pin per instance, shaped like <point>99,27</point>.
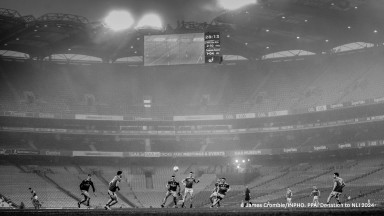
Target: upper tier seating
<point>189,89</point>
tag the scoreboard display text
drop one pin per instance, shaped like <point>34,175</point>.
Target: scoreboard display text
<point>212,47</point>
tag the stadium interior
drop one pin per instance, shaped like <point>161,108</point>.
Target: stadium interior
<point>298,95</point>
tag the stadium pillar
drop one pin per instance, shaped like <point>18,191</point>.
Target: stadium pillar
<point>147,144</point>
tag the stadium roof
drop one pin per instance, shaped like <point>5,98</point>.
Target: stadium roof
<point>253,32</point>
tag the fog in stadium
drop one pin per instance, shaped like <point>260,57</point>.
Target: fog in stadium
<point>191,107</point>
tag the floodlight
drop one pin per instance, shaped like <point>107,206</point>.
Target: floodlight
<point>150,21</point>
<point>233,5</point>
<point>118,20</point>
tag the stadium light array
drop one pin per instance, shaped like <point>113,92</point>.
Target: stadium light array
<point>119,20</point>
<point>150,21</point>
<point>234,5</point>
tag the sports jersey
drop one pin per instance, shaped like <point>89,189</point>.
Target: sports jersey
<point>339,185</point>
<point>289,194</point>
<point>173,184</point>
<point>113,184</point>
<point>85,184</point>
<point>189,182</point>
<point>223,188</point>
<point>315,192</point>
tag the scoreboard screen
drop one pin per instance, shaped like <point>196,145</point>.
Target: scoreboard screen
<point>174,49</point>
<point>212,47</point>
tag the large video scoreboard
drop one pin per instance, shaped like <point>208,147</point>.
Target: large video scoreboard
<point>176,49</point>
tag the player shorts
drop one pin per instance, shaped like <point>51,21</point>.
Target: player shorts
<point>112,195</point>
<point>173,193</point>
<point>220,196</point>
<point>315,198</point>
<point>214,194</point>
<point>85,193</point>
<point>289,200</point>
<point>335,194</point>
<point>188,190</point>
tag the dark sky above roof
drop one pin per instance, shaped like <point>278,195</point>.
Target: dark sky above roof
<point>272,26</point>
<point>94,10</point>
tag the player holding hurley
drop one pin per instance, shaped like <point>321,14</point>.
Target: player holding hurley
<point>316,194</point>
<point>84,187</point>
<point>338,186</point>
<point>34,199</point>
<point>222,189</point>
<point>113,187</point>
<point>172,187</point>
<point>212,197</point>
<point>188,182</point>
<point>289,195</point>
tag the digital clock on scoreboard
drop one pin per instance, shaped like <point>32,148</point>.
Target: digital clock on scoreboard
<point>212,47</point>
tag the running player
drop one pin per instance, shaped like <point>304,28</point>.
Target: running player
<point>316,194</point>
<point>113,187</point>
<point>188,182</point>
<point>289,195</point>
<point>34,198</point>
<point>338,186</point>
<point>214,192</point>
<point>222,189</point>
<point>84,187</point>
<point>172,187</point>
